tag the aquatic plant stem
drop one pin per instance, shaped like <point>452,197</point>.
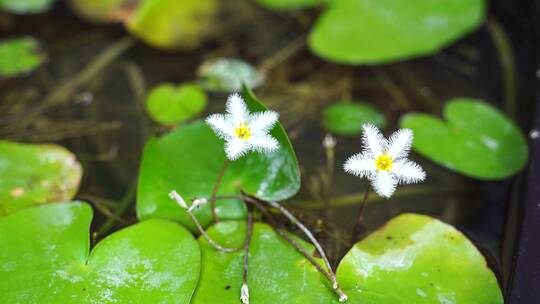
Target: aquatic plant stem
<point>120,209</point>
<point>244,293</point>
<point>207,237</point>
<point>216,187</point>
<point>392,88</point>
<point>359,225</point>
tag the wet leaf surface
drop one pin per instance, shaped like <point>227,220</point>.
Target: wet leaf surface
<point>32,174</point>
<point>475,139</point>
<point>48,261</point>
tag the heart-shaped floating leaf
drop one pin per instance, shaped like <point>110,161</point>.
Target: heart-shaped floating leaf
<point>169,105</point>
<point>19,56</point>
<point>277,272</point>
<point>375,31</point>
<point>189,160</point>
<point>347,118</point>
<point>26,6</point>
<point>44,257</point>
<point>289,4</point>
<point>228,75</point>
<point>103,11</point>
<point>476,139</point>
<point>417,259</point>
<point>33,174</point>
<point>172,24</point>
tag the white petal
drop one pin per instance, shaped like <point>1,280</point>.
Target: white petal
<point>407,171</point>
<point>221,125</point>
<point>237,108</point>
<point>384,184</point>
<point>235,148</point>
<point>400,143</point>
<point>263,143</point>
<point>361,165</point>
<point>262,122</point>
<point>373,140</point>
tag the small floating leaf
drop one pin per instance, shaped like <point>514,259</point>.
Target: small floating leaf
<point>289,4</point>
<point>26,6</point>
<point>32,174</point>
<point>169,105</point>
<point>417,259</point>
<point>103,11</point>
<point>45,258</point>
<point>228,75</point>
<point>347,118</point>
<point>476,139</point>
<point>172,24</point>
<point>19,55</point>
<point>277,272</point>
<point>189,160</point>
<point>375,31</point>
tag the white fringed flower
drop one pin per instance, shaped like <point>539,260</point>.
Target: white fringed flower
<point>384,162</point>
<point>242,131</point>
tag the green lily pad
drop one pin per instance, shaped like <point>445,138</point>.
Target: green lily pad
<point>290,4</point>
<point>228,75</point>
<point>32,174</point>
<point>277,272</point>
<point>103,11</point>
<point>347,118</point>
<point>169,105</point>
<point>417,259</point>
<point>189,160</point>
<point>48,261</point>
<point>375,31</point>
<point>19,56</point>
<point>172,24</point>
<point>26,6</point>
<point>476,139</point>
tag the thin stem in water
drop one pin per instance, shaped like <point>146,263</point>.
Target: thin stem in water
<point>216,187</point>
<point>244,293</point>
<point>359,226</point>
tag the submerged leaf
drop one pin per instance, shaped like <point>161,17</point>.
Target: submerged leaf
<point>32,174</point>
<point>189,160</point>
<point>476,139</point>
<point>19,55</point>
<point>423,260</point>
<point>277,272</point>
<point>169,105</point>
<point>375,31</point>
<point>155,261</point>
<point>347,118</point>
<point>26,6</point>
<point>228,75</point>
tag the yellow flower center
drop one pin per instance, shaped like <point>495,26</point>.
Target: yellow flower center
<point>384,162</point>
<point>242,131</point>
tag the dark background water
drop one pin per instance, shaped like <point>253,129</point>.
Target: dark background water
<point>98,112</point>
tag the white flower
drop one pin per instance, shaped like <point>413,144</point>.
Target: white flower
<point>243,131</point>
<point>384,162</point>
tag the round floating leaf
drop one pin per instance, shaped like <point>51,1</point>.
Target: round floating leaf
<point>19,55</point>
<point>417,259</point>
<point>347,118</point>
<point>375,31</point>
<point>103,11</point>
<point>172,24</point>
<point>277,272</point>
<point>26,6</point>
<point>288,4</point>
<point>44,253</point>
<point>476,139</point>
<point>33,174</point>
<point>189,160</point>
<point>169,105</point>
<point>228,75</point>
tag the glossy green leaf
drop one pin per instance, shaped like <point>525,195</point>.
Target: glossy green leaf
<point>476,139</point>
<point>172,24</point>
<point>32,174</point>
<point>277,272</point>
<point>228,75</point>
<point>44,258</point>
<point>289,4</point>
<point>26,6</point>
<point>377,31</point>
<point>347,118</point>
<point>417,259</point>
<point>169,105</point>
<point>103,11</point>
<point>189,160</point>
<point>19,56</point>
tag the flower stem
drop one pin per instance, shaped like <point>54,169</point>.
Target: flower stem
<point>359,226</point>
<point>214,191</point>
<point>244,295</point>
